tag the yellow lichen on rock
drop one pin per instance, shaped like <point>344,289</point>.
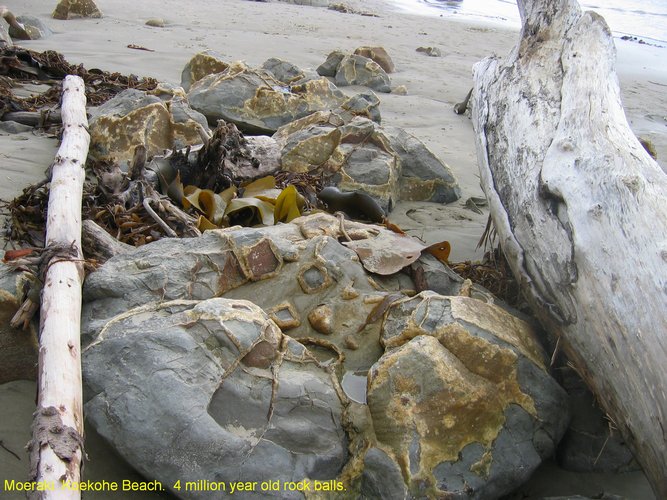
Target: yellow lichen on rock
<point>73,9</point>
<point>447,381</point>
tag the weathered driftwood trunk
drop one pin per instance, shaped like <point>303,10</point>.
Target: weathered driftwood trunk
<point>580,210</point>
<point>56,447</point>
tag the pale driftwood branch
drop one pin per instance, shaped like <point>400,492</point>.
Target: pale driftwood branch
<point>99,244</point>
<point>580,210</point>
<point>56,446</point>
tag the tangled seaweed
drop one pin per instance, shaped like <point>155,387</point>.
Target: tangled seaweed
<point>19,65</point>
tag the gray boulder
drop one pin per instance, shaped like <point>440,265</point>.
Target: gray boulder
<point>329,67</point>
<point>134,117</point>
<point>247,98</point>
<point>33,26</point>
<point>590,444</point>
<point>200,65</point>
<point>75,9</point>
<point>213,390</point>
<point>461,401</point>
<point>423,176</point>
<point>283,71</point>
<point>187,379</point>
<point>359,70</point>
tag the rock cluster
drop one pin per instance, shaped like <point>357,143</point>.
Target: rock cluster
<point>367,66</point>
<point>185,377</point>
<point>315,128</point>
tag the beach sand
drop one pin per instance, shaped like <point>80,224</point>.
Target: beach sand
<point>255,31</point>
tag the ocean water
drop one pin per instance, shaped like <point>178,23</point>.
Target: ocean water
<point>644,19</point>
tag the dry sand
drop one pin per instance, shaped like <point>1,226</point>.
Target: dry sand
<point>253,32</point>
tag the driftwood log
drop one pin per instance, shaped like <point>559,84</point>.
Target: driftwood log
<point>56,448</point>
<point>580,210</point>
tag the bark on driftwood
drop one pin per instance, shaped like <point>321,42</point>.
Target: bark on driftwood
<point>580,210</point>
<point>56,446</point>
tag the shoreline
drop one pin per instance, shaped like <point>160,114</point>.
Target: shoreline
<point>254,32</point>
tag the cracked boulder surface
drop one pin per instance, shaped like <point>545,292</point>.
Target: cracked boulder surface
<point>212,389</point>
<point>461,402</point>
<point>256,102</point>
<point>134,117</point>
<point>186,378</point>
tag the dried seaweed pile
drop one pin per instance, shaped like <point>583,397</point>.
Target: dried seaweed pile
<point>177,195</point>
<point>494,274</point>
<point>21,66</point>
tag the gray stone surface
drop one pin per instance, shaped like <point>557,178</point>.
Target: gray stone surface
<point>5,39</point>
<point>330,65</point>
<point>255,104</point>
<point>33,26</point>
<point>10,127</point>
<point>283,71</point>
<point>382,477</point>
<point>423,176</point>
<point>212,390</point>
<point>249,262</point>
<point>590,444</point>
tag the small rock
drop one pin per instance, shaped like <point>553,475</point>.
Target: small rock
<point>74,9</point>
<point>329,67</point>
<point>156,22</point>
<point>283,71</point>
<point>321,319</point>
<point>400,90</point>
<point>351,343</point>
<point>10,127</point>
<point>430,51</point>
<point>379,55</point>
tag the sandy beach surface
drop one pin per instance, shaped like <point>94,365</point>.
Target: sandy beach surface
<point>255,31</point>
